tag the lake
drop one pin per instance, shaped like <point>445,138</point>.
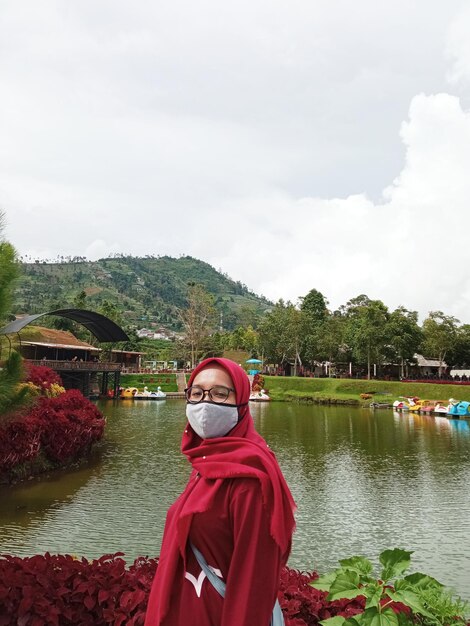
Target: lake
<point>364,481</point>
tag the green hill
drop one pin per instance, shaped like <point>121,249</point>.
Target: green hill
<point>150,289</point>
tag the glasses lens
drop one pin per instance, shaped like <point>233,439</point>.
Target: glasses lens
<point>194,394</point>
<point>219,394</point>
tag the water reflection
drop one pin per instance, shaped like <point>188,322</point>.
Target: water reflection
<point>459,426</point>
<point>364,481</point>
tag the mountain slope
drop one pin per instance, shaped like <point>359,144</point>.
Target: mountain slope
<point>150,289</point>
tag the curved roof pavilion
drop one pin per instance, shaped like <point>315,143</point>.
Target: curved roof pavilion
<point>103,328</point>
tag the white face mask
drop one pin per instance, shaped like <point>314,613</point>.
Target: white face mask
<point>211,420</point>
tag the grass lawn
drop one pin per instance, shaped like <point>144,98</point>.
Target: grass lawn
<point>166,381</point>
<point>295,388</point>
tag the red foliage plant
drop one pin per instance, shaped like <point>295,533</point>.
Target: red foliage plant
<point>303,605</point>
<point>60,590</point>
<point>63,428</point>
<point>42,376</point>
<point>20,441</point>
<point>70,424</point>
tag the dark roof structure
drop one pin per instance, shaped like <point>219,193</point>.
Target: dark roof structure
<point>99,325</point>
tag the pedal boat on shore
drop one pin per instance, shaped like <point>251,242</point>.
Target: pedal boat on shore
<point>429,406</point>
<point>441,408</point>
<point>259,396</point>
<point>415,406</point>
<point>406,403</point>
<point>458,409</point>
<point>128,393</point>
<point>150,395</point>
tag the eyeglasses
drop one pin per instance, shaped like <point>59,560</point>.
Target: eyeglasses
<point>216,394</point>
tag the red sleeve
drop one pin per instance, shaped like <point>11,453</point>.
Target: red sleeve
<point>253,577</point>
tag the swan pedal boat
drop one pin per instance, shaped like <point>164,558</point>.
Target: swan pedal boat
<point>259,396</point>
<point>407,403</point>
<point>435,407</point>
<point>133,393</point>
<point>458,409</point>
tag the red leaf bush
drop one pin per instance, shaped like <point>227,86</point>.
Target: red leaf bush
<point>20,442</point>
<point>42,376</point>
<point>303,605</point>
<point>60,590</point>
<point>70,424</point>
<point>56,430</point>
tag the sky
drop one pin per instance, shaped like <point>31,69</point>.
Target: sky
<point>293,145</point>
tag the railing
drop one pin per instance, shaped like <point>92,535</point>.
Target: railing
<point>88,366</point>
<point>133,369</point>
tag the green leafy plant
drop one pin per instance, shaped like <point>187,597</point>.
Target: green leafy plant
<point>392,599</point>
<point>12,395</point>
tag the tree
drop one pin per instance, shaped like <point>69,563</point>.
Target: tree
<point>367,329</point>
<point>10,396</point>
<point>251,340</point>
<point>404,335</point>
<point>460,354</point>
<point>63,323</point>
<point>111,310</point>
<point>314,313</point>
<point>281,333</point>
<point>79,302</point>
<point>248,316</point>
<point>314,306</point>
<point>217,343</point>
<point>9,271</point>
<point>243,339</point>
<point>440,335</point>
<point>198,319</point>
<point>331,341</point>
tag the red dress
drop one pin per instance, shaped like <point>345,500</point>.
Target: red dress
<point>234,538</point>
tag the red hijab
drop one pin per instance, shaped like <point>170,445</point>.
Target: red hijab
<point>240,453</point>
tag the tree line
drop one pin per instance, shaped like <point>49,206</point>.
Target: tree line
<point>363,331</point>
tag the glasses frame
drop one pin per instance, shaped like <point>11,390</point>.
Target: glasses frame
<point>208,391</point>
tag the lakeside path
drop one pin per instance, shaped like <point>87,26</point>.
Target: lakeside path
<point>181,381</point>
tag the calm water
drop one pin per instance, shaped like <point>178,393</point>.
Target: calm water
<point>363,482</point>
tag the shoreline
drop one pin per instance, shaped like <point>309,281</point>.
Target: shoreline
<point>347,392</point>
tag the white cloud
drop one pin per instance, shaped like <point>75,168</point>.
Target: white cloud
<point>100,249</point>
<point>253,135</point>
<point>458,48</point>
<point>410,250</point>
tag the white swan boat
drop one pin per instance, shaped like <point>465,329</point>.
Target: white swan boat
<point>259,396</point>
<point>150,395</point>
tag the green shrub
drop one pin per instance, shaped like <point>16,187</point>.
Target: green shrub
<point>391,599</point>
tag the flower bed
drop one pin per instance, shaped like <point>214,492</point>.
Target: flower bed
<point>58,427</point>
<point>61,590</point>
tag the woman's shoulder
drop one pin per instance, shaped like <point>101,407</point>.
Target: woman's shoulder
<point>243,485</point>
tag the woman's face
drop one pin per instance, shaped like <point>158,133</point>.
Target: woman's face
<point>215,376</point>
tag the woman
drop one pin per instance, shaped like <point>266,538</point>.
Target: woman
<point>236,510</point>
